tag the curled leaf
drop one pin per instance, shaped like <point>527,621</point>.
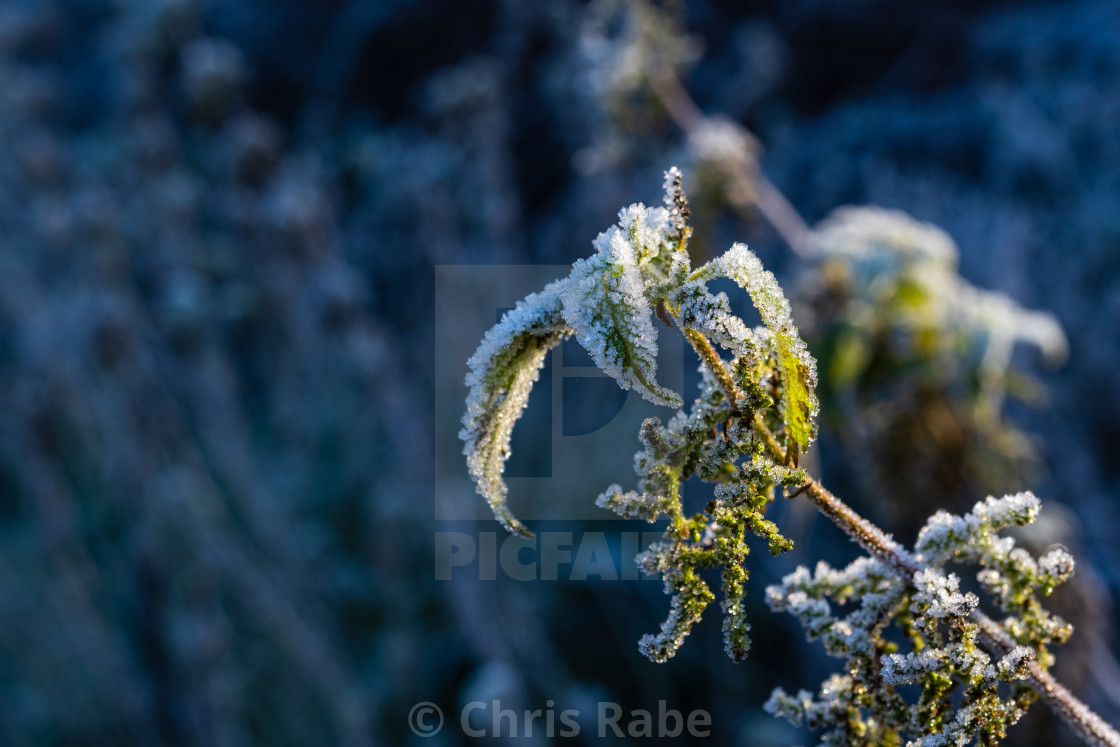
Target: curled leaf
<point>502,372</point>
<point>711,315</point>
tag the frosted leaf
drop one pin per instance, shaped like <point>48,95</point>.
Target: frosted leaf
<point>879,247</point>
<point>901,669</point>
<point>865,581</point>
<point>877,235</point>
<point>1013,666</point>
<point>604,301</point>
<point>1005,322</point>
<point>711,315</point>
<point>1019,509</point>
<point>647,230</point>
<point>804,709</point>
<point>959,732</point>
<point>799,370</point>
<point>726,152</point>
<point>690,596</point>
<point>722,140</point>
<point>1044,330</point>
<point>656,241</point>
<point>501,374</point>
<point>945,534</point>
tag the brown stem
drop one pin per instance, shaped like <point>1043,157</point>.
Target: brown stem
<point>871,538</point>
<point>714,363</point>
<point>680,106</point>
<point>783,216</point>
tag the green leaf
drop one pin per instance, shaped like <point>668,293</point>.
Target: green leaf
<point>501,374</point>
<point>799,371</point>
<point>605,301</point>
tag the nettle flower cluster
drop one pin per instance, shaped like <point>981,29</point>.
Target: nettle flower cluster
<point>951,674</point>
<point>946,689</point>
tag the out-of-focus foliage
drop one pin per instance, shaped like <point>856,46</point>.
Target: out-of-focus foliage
<point>205,430</point>
<point>628,47</point>
<point>916,362</point>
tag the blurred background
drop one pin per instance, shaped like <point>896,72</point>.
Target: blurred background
<point>228,453</point>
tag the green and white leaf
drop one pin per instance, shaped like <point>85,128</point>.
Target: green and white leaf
<point>799,371</point>
<point>501,374</point>
<point>605,301</point>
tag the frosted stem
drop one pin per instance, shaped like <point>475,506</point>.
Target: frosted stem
<point>712,360</point>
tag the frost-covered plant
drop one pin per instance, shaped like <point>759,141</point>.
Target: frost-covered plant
<point>962,689</point>
<point>626,46</point>
<point>961,676</point>
<point>920,355</point>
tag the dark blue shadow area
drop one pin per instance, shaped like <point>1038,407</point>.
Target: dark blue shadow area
<point>589,403</point>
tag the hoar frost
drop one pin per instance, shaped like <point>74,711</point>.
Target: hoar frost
<point>606,303</point>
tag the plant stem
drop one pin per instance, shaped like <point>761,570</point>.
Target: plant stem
<point>767,199</point>
<point>708,354</point>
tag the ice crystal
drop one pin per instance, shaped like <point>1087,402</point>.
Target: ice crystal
<point>946,535</point>
<point>937,597</point>
<point>711,315</point>
<point>901,669</point>
<point>805,595</point>
<point>633,505</point>
<point>1057,565</point>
